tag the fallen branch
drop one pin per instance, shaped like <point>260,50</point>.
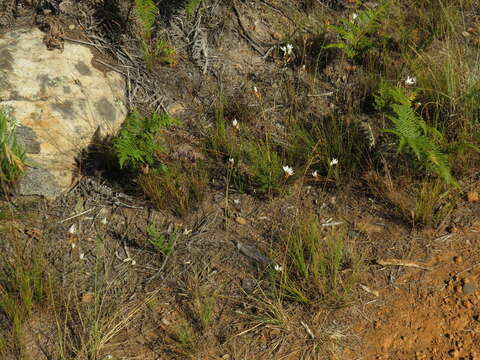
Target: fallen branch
<point>400,262</point>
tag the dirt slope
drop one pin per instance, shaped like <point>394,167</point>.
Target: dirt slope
<point>429,314</point>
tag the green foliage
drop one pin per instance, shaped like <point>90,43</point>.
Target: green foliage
<point>425,142</point>
<point>23,283</point>
<point>264,166</point>
<point>313,269</point>
<point>314,143</point>
<point>139,142</point>
<point>191,6</point>
<point>357,33</point>
<point>12,155</point>
<point>146,12</point>
<point>160,241</point>
<point>153,51</point>
<point>175,187</point>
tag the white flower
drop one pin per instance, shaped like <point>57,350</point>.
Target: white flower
<point>235,124</point>
<point>287,50</point>
<point>231,161</point>
<point>255,89</point>
<point>104,221</point>
<point>334,162</point>
<point>354,16</point>
<point>410,80</point>
<point>72,229</point>
<point>315,174</point>
<point>277,267</point>
<point>288,170</point>
<point>82,256</point>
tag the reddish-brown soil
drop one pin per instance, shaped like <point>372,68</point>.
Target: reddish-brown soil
<point>428,314</point>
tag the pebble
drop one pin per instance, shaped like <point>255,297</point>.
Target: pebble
<point>469,289</point>
<point>472,196</point>
<point>71,27</point>
<point>240,220</point>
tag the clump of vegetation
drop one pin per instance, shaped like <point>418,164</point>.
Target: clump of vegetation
<point>425,142</point>
<point>317,268</point>
<point>177,188</point>
<point>23,285</point>
<point>191,6</point>
<point>139,142</point>
<point>357,32</point>
<point>12,154</point>
<point>161,242</point>
<point>154,51</point>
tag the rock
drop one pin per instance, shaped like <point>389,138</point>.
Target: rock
<point>175,109</point>
<point>469,288</point>
<point>60,101</point>
<point>240,220</point>
<point>88,297</point>
<point>368,227</point>
<point>472,196</point>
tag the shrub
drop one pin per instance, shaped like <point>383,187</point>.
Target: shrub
<point>12,154</point>
<point>139,141</point>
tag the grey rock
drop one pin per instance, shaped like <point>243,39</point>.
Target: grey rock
<point>60,101</point>
<point>469,289</point>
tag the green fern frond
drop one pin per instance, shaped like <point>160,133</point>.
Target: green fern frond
<point>146,11</point>
<point>414,134</point>
<point>138,144</point>
<point>356,33</point>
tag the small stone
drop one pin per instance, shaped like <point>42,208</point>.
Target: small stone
<point>175,109</point>
<point>452,229</point>
<point>472,196</point>
<point>368,227</point>
<point>71,27</point>
<point>87,297</point>
<point>453,353</point>
<point>240,220</point>
<point>469,289</point>
<point>248,285</point>
<point>465,34</point>
<point>226,357</point>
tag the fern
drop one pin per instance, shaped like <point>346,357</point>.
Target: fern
<point>146,12</point>
<point>356,33</point>
<point>414,134</point>
<point>138,143</point>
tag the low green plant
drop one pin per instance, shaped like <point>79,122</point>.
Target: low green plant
<point>161,242</point>
<point>191,6</point>
<point>178,188</point>
<point>331,148</point>
<point>314,268</point>
<point>12,154</point>
<point>184,335</point>
<point>139,141</point>
<point>153,51</point>
<point>264,166</point>
<point>357,33</point>
<point>206,309</point>
<point>432,204</point>
<point>426,143</point>
<point>23,285</point>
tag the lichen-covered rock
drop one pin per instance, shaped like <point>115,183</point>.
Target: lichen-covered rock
<point>60,101</point>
